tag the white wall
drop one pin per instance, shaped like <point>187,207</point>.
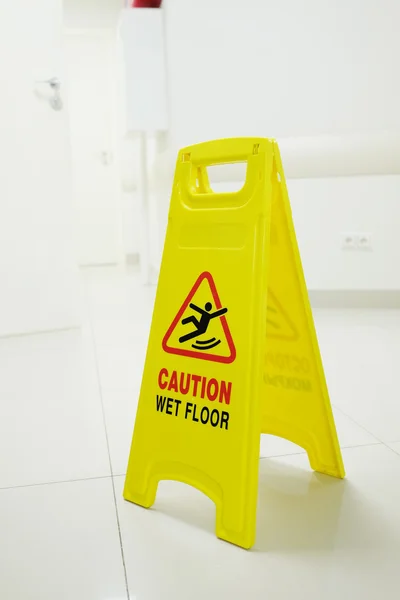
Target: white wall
<point>37,265</point>
<point>323,208</point>
<point>290,69</point>
<point>87,14</point>
<point>107,223</point>
<point>286,68</point>
<point>143,69</point>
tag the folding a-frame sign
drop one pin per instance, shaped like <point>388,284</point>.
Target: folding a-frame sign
<point>232,351</point>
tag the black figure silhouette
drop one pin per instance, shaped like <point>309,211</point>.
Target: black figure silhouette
<point>202,323</point>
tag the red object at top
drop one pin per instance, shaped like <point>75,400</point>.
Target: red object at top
<point>146,3</point>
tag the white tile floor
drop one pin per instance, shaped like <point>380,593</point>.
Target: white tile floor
<point>67,406</point>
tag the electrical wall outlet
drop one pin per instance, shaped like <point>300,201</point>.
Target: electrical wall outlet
<point>356,241</point>
<point>349,241</point>
<point>364,241</point>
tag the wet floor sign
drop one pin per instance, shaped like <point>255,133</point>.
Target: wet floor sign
<point>232,351</point>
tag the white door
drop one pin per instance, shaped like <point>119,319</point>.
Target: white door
<point>38,285</point>
<point>92,107</point>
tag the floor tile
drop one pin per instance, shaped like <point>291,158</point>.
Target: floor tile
<point>317,537</point>
<point>120,410</point>
<point>60,541</point>
<point>360,351</point>
<point>395,446</point>
<point>51,421</point>
<point>350,433</point>
<point>121,367</point>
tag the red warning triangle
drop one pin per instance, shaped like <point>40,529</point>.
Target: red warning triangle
<point>201,326</point>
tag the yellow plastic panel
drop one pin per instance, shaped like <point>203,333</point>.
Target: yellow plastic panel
<point>198,418</point>
<point>295,402</point>
<point>232,349</point>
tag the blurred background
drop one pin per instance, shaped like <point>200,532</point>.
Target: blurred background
<point>136,85</point>
<point>97,97</point>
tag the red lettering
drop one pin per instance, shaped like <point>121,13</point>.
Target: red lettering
<point>184,388</point>
<point>161,383</point>
<point>211,389</point>
<point>203,387</point>
<point>225,392</point>
<point>173,382</point>
<point>195,379</point>
<point>212,394</point>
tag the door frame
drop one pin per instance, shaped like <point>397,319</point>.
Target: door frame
<point>111,35</point>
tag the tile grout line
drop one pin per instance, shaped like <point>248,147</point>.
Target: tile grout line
<point>359,425</point>
<point>302,452</point>
<point>29,334</point>
<point>41,483</point>
<point>389,448</point>
<point>367,431</point>
<point>377,443</point>
<point>386,444</point>
<point>106,435</point>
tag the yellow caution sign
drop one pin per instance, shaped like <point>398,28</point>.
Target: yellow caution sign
<point>232,351</point>
<point>279,324</point>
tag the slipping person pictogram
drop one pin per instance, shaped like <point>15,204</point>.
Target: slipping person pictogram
<point>202,323</point>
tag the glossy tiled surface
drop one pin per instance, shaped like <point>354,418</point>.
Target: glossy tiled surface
<point>60,541</point>
<point>317,537</point>
<point>395,447</point>
<point>51,424</point>
<point>67,406</point>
